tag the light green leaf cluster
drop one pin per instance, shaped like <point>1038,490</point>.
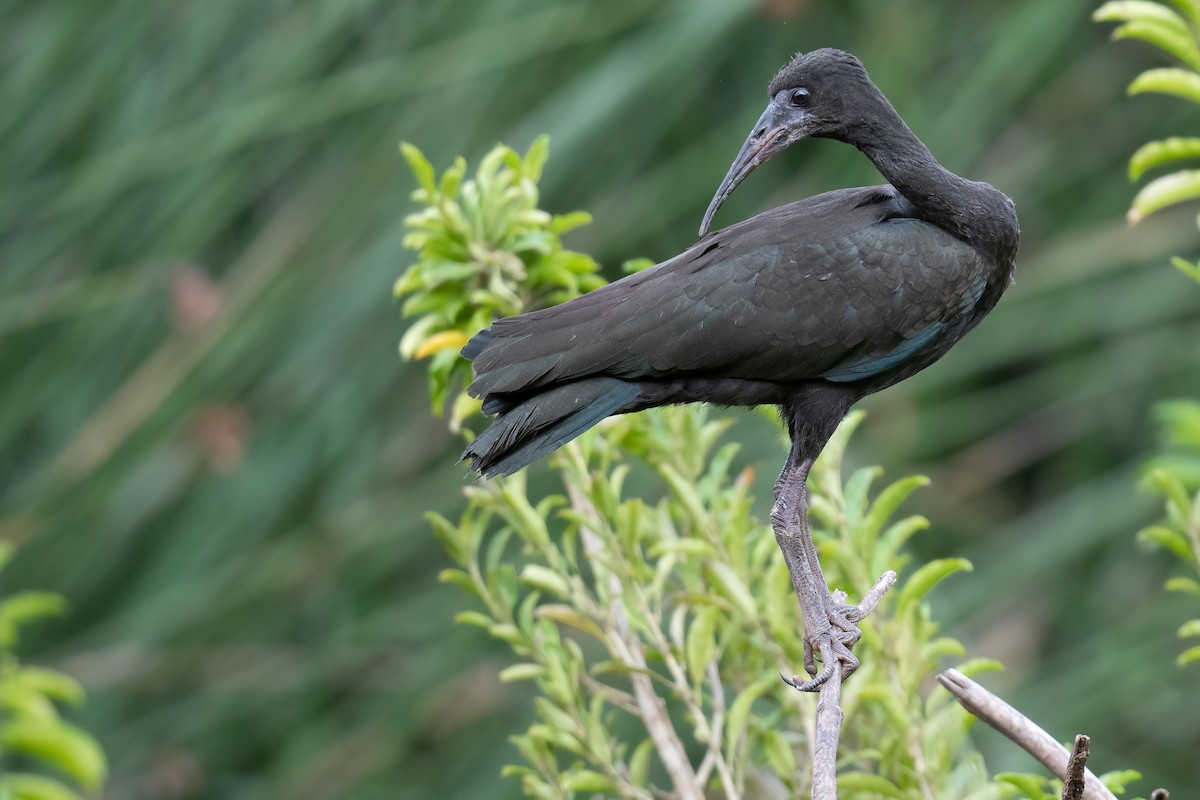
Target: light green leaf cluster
<point>1175,477</point>
<point>30,724</point>
<point>485,250</point>
<point>1175,31</point>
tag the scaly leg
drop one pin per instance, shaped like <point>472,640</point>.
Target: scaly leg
<point>829,622</point>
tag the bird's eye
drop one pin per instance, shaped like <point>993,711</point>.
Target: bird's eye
<point>800,97</point>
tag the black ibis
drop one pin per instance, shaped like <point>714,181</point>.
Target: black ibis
<point>810,306</point>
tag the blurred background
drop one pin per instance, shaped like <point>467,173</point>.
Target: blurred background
<point>210,446</point>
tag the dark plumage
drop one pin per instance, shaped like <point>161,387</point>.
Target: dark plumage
<point>810,306</point>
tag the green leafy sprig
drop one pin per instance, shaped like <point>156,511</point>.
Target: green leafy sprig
<point>1175,31</point>
<point>31,727</point>
<point>484,250</point>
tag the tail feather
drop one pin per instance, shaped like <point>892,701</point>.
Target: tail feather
<point>545,422</point>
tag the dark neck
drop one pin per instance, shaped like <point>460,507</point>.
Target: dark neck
<point>955,204</point>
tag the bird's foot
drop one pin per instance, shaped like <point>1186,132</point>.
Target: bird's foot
<point>831,629</point>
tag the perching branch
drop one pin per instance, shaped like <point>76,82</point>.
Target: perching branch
<point>1073,782</point>
<point>829,706</point>
<point>1021,730</point>
<point>829,726</point>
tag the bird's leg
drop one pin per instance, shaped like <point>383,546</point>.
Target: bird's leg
<point>829,621</point>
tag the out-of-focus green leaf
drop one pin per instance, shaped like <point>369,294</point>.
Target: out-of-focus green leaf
<point>1163,151</point>
<point>1185,585</point>
<point>1160,193</point>
<point>921,582</point>
<point>1168,539</point>
<point>68,748</point>
<point>1142,11</point>
<point>867,783</point>
<point>521,672</point>
<point>1168,80</point>
<point>1166,37</point>
<point>1117,780</point>
<point>1189,656</point>
<point>18,786</point>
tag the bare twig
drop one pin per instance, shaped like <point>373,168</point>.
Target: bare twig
<point>1073,781</point>
<point>829,726</point>
<point>1017,727</point>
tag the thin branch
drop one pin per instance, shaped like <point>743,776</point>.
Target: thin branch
<point>628,649</point>
<point>829,726</point>
<point>1076,764</point>
<point>1017,727</point>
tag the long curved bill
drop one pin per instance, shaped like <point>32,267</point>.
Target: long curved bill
<point>770,135</point>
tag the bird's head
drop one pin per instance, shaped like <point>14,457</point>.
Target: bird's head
<point>815,94</point>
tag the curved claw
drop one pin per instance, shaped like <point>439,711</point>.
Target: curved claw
<point>846,658</point>
<point>839,633</point>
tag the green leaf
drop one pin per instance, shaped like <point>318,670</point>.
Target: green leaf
<point>1164,151</point>
<point>561,223</point>
<point>1189,629</point>
<point>779,753</point>
<point>546,579</point>
<point>701,642</point>
<point>1032,786</point>
<point>459,579</point>
<point>474,618</point>
<point>22,786</point>
<point>929,576</point>
<point>536,156</point>
<point>639,763</point>
<point>420,166</point>
<point>1168,80</point>
<point>1115,781</point>
<point>889,500</point>
<point>569,616</point>
<point>874,784</point>
<point>1191,8</point>
<point>977,666</point>
<point>52,684</point>
<point>739,711</point>
<point>58,743</point>
<point>1168,539</point>
<point>1189,656</point>
<point>522,672</point>
<point>1164,36</point>
<point>1187,267</point>
<point>732,587</point>
<point>1142,11</point>
<point>585,780</point>
<point>1178,187</point>
<point>1185,585</point>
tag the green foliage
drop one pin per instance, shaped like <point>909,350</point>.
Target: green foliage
<point>1177,33</point>
<point>485,250</point>
<point>31,727</point>
<point>603,593</point>
<point>1175,476</point>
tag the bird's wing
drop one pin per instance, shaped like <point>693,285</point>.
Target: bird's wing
<point>841,287</point>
